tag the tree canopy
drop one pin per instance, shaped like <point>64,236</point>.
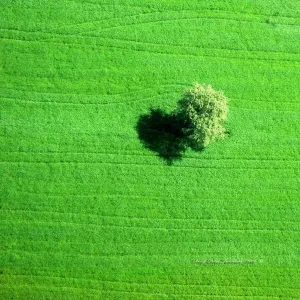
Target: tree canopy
<point>203,111</point>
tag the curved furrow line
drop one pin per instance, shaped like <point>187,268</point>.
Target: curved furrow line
<point>142,42</point>
<point>90,22</point>
<point>228,57</point>
<point>185,19</point>
<point>198,47</point>
<point>76,25</point>
<point>79,25</point>
<point>128,41</point>
<point>209,9</point>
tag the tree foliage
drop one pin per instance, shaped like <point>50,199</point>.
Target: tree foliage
<point>203,111</point>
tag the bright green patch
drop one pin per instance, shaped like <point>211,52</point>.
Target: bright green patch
<point>87,212</point>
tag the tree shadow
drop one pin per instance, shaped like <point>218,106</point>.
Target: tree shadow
<point>162,133</point>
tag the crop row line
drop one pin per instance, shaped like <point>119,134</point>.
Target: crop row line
<point>46,287</point>
<point>194,258</point>
<point>151,283</point>
<point>117,256</point>
<point>237,194</point>
<point>186,219</point>
<point>136,96</point>
<point>135,243</point>
<point>133,154</point>
<point>135,93</point>
<point>140,153</point>
<point>165,229</point>
<point>234,189</point>
<point>74,162</point>
<point>89,103</point>
<point>139,100</point>
<point>267,101</point>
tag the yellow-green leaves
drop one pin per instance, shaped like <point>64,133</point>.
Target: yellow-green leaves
<point>204,111</point>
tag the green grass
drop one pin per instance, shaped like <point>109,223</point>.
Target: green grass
<point>87,212</point>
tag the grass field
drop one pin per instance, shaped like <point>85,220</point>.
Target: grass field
<point>87,212</point>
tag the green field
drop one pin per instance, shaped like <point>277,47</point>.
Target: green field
<point>87,212</point>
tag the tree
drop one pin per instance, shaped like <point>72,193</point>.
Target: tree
<point>203,111</point>
<point>197,121</point>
